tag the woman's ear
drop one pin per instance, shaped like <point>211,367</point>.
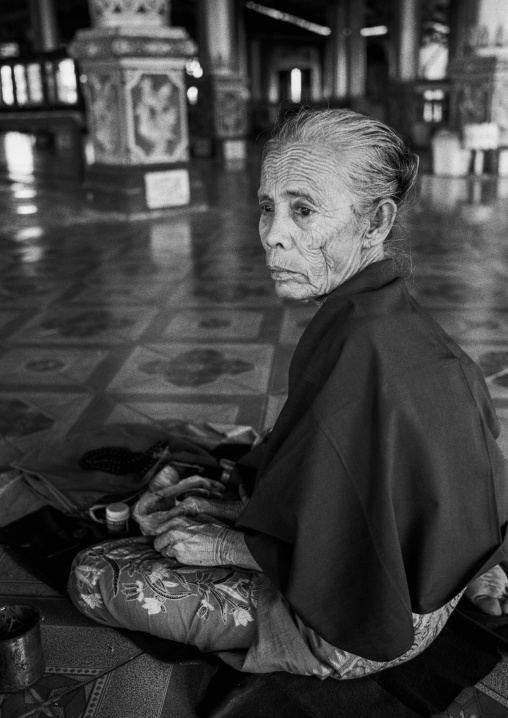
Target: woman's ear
<point>380,223</point>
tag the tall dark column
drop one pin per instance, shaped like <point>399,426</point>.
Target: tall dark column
<point>407,41</point>
<point>402,105</point>
<point>44,25</point>
<point>223,48</point>
<point>345,60</point>
<point>256,87</point>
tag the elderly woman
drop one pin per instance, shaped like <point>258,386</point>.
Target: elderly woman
<point>379,494</point>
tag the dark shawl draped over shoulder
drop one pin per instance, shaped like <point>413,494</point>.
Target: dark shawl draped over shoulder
<point>381,490</point>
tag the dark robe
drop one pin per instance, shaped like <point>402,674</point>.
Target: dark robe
<point>381,490</point>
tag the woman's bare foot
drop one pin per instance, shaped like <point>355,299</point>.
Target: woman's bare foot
<point>489,592</point>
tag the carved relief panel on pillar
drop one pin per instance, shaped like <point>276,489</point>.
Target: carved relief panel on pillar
<point>230,114</point>
<point>473,102</point>
<point>105,108</point>
<point>479,91</point>
<point>156,115</point>
<point>500,108</point>
<point>229,108</point>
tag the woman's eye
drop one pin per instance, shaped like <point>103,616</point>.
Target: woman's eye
<point>304,211</point>
<point>265,208</point>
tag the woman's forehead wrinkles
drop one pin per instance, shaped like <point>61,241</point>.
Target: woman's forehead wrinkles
<point>310,169</point>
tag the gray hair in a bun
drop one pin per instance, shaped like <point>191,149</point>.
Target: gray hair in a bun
<point>376,163</point>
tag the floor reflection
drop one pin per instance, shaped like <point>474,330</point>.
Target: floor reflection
<point>192,290</point>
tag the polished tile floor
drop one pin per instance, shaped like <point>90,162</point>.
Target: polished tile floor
<point>104,320</point>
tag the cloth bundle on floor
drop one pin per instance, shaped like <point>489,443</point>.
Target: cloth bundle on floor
<point>116,462</point>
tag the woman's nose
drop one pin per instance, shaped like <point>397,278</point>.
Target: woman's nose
<point>277,233</point>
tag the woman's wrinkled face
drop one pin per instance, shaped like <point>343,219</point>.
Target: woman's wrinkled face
<point>310,233</point>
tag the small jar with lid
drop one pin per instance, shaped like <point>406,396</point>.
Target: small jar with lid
<point>117,518</point>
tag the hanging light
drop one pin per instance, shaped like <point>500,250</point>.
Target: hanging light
<point>296,85</point>
<point>373,31</point>
<point>193,67</point>
<point>192,95</point>
<point>287,17</point>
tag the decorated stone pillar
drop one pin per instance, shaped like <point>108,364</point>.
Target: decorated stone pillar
<point>135,92</point>
<point>222,46</point>
<point>479,69</point>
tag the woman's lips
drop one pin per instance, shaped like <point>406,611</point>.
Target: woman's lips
<point>280,274</point>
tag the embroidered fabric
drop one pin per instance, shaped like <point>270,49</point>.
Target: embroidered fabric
<point>235,612</point>
<point>126,583</point>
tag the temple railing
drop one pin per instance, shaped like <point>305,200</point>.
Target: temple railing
<point>40,95</point>
<point>40,82</point>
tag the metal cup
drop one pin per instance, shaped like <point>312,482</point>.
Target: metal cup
<point>21,657</point>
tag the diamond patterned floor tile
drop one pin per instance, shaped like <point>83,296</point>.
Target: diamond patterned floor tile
<point>205,369</point>
<point>42,366</point>
<point>207,324</point>
<point>87,324</point>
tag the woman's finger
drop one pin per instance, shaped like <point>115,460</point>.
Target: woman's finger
<point>146,529</point>
<point>190,508</point>
<point>168,552</point>
<point>199,482</point>
<point>164,526</point>
<point>177,522</point>
<point>185,508</point>
<point>163,541</point>
<point>168,476</point>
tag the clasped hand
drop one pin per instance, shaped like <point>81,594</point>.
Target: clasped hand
<point>193,530</point>
<point>194,541</point>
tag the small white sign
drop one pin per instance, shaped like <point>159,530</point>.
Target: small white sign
<point>481,136</point>
<point>235,149</point>
<point>169,188</point>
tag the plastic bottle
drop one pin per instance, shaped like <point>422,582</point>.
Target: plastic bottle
<point>117,518</point>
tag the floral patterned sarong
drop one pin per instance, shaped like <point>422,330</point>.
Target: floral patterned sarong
<point>232,611</point>
<point>126,583</point>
